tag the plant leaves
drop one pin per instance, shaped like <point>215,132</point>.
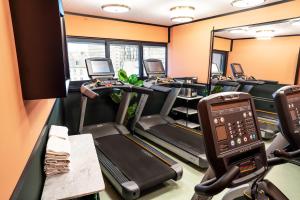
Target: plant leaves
<point>122,75</point>
<point>116,97</point>
<point>131,110</point>
<point>133,79</point>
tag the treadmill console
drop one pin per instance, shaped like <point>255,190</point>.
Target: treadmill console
<point>232,137</point>
<point>156,73</point>
<point>287,101</point>
<point>102,74</point>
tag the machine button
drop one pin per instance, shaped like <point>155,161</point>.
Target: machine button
<point>250,114</point>
<point>238,122</point>
<point>245,139</point>
<point>231,136</point>
<point>216,121</point>
<point>239,141</point>
<point>229,124</point>
<point>253,136</point>
<point>244,115</point>
<point>232,143</point>
<point>222,119</point>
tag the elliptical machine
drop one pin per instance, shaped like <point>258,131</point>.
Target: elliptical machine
<point>235,150</point>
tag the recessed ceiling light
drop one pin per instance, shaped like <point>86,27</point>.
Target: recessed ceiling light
<point>265,34</point>
<point>181,14</point>
<point>115,8</point>
<point>239,30</point>
<point>295,22</point>
<point>246,3</point>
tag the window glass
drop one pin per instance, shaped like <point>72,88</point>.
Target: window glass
<point>125,57</point>
<point>78,51</point>
<point>219,62</point>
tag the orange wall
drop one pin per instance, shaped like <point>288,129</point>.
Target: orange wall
<point>103,28</point>
<point>222,44</point>
<point>21,121</point>
<point>274,59</point>
<point>190,43</point>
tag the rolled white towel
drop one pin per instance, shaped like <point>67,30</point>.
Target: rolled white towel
<point>58,146</point>
<point>59,131</point>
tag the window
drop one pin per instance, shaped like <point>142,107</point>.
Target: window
<point>78,51</point>
<point>219,62</point>
<point>125,56</point>
<point>157,52</point>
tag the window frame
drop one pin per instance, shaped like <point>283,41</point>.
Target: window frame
<point>108,41</point>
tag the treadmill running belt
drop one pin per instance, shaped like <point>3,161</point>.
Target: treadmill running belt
<point>134,162</point>
<point>180,137</point>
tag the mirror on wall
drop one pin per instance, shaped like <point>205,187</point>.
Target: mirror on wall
<point>267,51</point>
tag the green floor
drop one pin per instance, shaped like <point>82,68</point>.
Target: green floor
<point>286,177</point>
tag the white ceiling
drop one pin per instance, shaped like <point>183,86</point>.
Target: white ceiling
<point>153,11</point>
<point>283,28</point>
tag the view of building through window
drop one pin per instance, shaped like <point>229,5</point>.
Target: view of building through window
<point>78,52</point>
<point>125,57</point>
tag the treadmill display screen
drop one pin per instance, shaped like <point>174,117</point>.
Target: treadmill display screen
<point>234,125</point>
<point>238,69</point>
<point>100,66</point>
<point>155,67</point>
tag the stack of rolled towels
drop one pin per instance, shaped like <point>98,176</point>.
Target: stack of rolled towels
<point>57,158</point>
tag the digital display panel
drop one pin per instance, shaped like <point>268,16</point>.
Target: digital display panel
<point>155,67</point>
<point>100,66</point>
<point>238,69</point>
<point>221,133</point>
<point>231,105</point>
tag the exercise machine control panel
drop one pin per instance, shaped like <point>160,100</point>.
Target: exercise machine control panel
<point>234,125</point>
<point>287,101</point>
<point>102,74</point>
<point>231,134</point>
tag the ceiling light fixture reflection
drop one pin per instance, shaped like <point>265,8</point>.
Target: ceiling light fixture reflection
<point>239,30</point>
<point>265,34</point>
<point>246,3</point>
<point>295,22</point>
<point>116,8</point>
<point>181,14</point>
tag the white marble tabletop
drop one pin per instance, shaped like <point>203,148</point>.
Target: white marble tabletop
<point>85,175</point>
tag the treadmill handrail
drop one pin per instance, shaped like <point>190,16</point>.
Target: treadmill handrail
<point>92,93</point>
<point>211,187</point>
<point>141,90</point>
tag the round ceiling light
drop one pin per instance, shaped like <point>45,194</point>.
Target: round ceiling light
<point>181,14</point>
<point>265,34</point>
<point>246,3</point>
<point>115,8</point>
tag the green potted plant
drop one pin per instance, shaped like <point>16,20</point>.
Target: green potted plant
<point>117,95</point>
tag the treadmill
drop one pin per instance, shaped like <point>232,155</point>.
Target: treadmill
<point>160,128</point>
<point>261,91</point>
<point>128,163</point>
